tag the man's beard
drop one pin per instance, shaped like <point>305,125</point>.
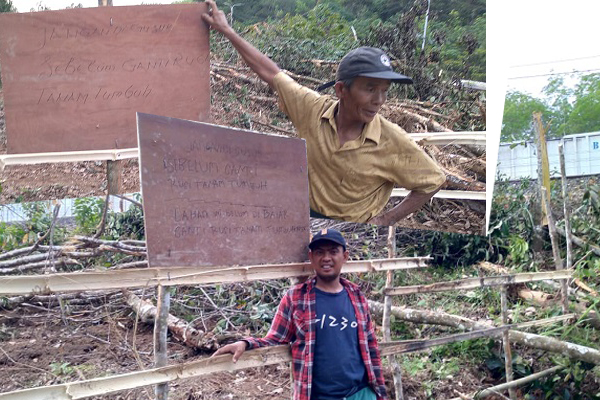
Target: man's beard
<point>328,278</point>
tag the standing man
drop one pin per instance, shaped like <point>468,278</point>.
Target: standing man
<point>326,320</point>
<point>355,156</point>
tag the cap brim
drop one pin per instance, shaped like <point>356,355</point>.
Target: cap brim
<point>393,76</point>
<point>325,86</point>
<point>312,244</point>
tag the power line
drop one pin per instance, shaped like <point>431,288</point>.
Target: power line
<point>555,73</point>
<point>554,62</point>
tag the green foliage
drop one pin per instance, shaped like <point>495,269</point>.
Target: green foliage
<point>518,111</point>
<point>295,39</point>
<point>461,47</point>
<point>38,222</point>
<point>454,250</point>
<point>568,384</point>
<point>7,6</point>
<point>586,107</point>
<point>497,366</point>
<point>38,216</point>
<point>11,236</point>
<point>565,109</point>
<point>453,51</point>
<point>351,10</point>
<point>61,369</point>
<point>474,350</point>
<point>88,213</point>
<point>126,225</point>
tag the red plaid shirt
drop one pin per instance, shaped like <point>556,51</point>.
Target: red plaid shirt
<point>294,323</point>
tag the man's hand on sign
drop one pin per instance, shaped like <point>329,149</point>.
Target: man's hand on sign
<point>237,349</point>
<point>216,18</point>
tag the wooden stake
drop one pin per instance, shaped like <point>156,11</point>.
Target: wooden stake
<point>506,344</point>
<point>114,176</point>
<point>543,167</point>
<point>567,208</point>
<point>387,312</point>
<point>160,338</point>
<point>545,192</point>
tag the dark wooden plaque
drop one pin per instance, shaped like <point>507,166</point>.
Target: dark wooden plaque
<point>221,196</point>
<point>74,79</point>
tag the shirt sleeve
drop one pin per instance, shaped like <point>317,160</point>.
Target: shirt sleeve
<point>296,101</point>
<point>281,331</point>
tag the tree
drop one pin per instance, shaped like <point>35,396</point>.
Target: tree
<point>518,109</point>
<point>7,6</point>
<point>584,113</point>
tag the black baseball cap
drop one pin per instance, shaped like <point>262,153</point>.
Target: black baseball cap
<point>328,234</point>
<point>366,61</point>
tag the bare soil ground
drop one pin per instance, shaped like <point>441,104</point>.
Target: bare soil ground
<point>38,350</point>
<point>42,346</point>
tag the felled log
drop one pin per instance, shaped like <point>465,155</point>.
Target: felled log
<point>475,165</point>
<point>275,128</point>
<point>580,242</point>
<point>431,124</point>
<point>79,299</point>
<point>457,182</point>
<point>567,349</point>
<point>61,261</point>
<point>179,328</point>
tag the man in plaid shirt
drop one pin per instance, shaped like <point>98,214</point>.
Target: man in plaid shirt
<point>327,322</point>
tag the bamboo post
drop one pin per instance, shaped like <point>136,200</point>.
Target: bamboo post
<point>506,344</point>
<point>567,207</point>
<point>387,312</point>
<point>545,192</point>
<point>543,166</point>
<point>160,338</point>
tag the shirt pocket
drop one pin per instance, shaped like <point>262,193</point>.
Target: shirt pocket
<point>362,172</point>
<point>300,325</point>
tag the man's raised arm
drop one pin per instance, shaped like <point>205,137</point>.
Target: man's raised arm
<point>257,61</point>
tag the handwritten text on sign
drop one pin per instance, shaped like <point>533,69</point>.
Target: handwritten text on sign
<point>74,79</point>
<point>221,196</point>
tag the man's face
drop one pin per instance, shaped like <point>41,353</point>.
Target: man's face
<point>364,98</point>
<point>327,259</point>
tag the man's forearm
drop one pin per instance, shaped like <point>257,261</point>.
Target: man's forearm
<point>410,204</point>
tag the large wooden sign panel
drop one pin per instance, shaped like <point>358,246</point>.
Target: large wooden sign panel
<point>74,79</point>
<point>221,196</point>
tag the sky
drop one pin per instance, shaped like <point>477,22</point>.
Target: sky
<point>556,36</point>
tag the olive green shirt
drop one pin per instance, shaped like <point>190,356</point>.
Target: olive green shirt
<point>353,182</point>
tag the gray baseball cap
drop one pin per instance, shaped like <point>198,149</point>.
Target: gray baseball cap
<point>366,61</point>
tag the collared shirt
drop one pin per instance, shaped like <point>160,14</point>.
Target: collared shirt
<point>295,323</point>
<point>353,182</point>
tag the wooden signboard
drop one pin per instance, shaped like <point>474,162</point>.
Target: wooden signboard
<point>74,79</point>
<point>221,196</point>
